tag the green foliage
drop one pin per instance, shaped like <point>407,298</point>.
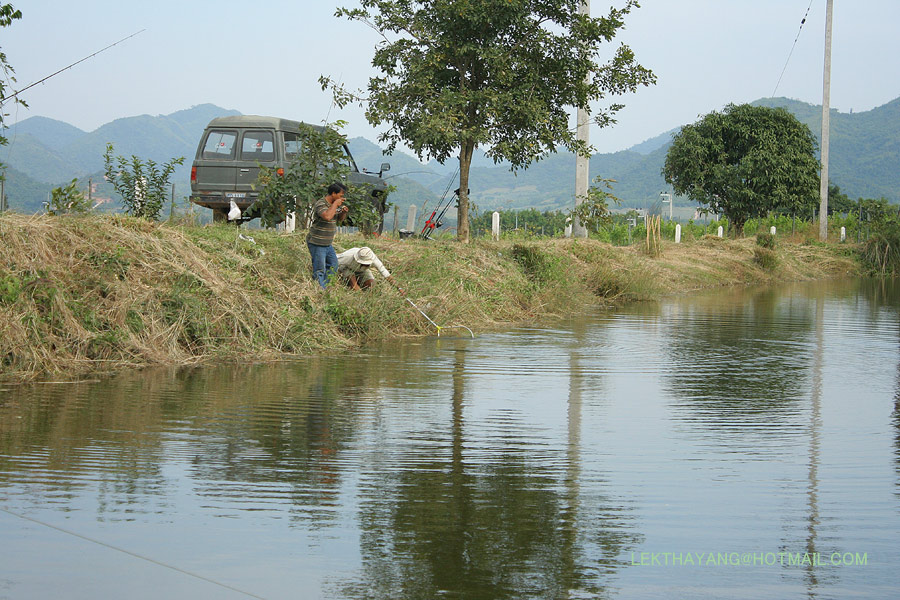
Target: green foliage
<point>593,211</point>
<point>765,240</point>
<point>745,162</point>
<point>320,161</point>
<point>538,265</point>
<point>142,185</point>
<point>765,257</point>
<point>67,200</point>
<point>839,202</point>
<point>502,75</point>
<point>8,14</point>
<point>530,222</point>
<point>881,252</point>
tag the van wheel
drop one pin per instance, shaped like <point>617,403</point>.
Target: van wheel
<point>220,215</point>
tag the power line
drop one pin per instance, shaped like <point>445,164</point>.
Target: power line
<point>802,22</point>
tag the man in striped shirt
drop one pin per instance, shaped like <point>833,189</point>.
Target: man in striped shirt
<point>327,213</point>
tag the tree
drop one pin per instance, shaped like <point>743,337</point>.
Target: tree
<point>142,185</point>
<point>319,161</point>
<point>8,14</point>
<point>500,75</point>
<point>67,200</point>
<point>594,213</point>
<point>744,162</point>
<point>839,202</point>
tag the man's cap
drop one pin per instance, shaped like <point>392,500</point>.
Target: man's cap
<point>364,256</point>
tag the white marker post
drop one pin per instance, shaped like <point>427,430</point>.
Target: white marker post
<point>411,218</point>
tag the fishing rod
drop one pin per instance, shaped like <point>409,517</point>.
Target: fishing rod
<point>31,85</point>
<point>433,222</point>
<point>436,326</point>
<point>430,221</point>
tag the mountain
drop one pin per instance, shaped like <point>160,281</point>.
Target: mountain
<point>49,132</point>
<point>44,153</point>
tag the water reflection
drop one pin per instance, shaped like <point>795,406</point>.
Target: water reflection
<point>533,463</point>
<point>468,517</point>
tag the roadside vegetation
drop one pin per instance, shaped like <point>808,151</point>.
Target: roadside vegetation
<point>91,293</point>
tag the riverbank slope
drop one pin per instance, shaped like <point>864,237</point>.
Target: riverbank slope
<point>91,294</point>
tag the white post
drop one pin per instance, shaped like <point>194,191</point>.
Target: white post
<point>721,231</point>
<point>582,134</point>
<point>678,233</point>
<point>290,222</point>
<point>826,127</point>
<point>772,230</point>
<point>843,234</point>
<point>495,226</point>
<point>411,218</point>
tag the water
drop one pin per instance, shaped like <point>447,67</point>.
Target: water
<point>739,444</point>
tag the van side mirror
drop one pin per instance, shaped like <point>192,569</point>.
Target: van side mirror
<point>385,167</point>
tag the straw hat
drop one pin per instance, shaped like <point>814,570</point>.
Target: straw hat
<point>364,256</point>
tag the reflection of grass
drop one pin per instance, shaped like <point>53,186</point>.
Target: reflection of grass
<point>82,294</point>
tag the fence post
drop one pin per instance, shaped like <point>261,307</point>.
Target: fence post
<point>411,218</point>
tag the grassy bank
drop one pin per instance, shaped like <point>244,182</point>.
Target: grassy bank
<point>92,294</point>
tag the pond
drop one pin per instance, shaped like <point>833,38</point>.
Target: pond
<point>737,444</point>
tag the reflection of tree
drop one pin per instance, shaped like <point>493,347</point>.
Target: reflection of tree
<point>259,425</point>
<point>740,360</point>
<point>475,522</point>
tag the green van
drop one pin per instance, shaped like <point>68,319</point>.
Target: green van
<point>232,150</point>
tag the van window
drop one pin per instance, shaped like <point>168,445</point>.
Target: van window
<point>258,146</point>
<point>291,145</point>
<point>347,160</point>
<point>219,145</point>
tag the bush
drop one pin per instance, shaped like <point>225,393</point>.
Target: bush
<point>881,252</point>
<point>765,258</point>
<point>67,200</point>
<point>765,240</point>
<point>537,265</point>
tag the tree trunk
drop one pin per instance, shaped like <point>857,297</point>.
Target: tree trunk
<point>465,162</point>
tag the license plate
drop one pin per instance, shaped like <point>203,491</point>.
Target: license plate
<point>235,195</point>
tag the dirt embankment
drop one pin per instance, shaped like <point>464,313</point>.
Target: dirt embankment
<point>94,294</point>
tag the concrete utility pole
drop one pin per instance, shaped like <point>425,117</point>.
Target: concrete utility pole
<point>826,114</point>
<point>582,163</point>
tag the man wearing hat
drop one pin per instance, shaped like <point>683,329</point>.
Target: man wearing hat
<point>355,265</point>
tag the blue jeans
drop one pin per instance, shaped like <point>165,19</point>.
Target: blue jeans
<point>324,262</point>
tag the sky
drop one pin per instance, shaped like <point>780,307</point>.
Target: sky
<point>265,57</point>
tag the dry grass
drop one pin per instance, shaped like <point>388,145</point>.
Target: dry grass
<point>88,294</point>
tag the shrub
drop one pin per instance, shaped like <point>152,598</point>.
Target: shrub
<point>765,258</point>
<point>765,240</point>
<point>67,200</point>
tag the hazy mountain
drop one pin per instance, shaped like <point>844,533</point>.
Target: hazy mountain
<point>43,153</point>
<point>49,132</point>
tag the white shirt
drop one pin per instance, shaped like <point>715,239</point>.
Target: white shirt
<point>347,264</point>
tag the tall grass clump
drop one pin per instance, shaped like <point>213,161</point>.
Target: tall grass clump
<point>881,252</point>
